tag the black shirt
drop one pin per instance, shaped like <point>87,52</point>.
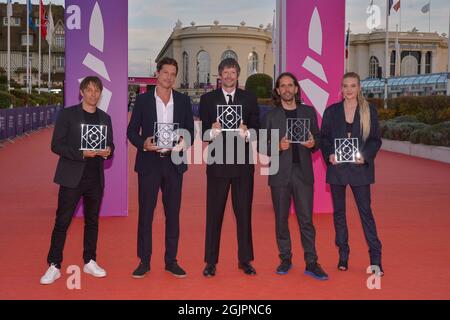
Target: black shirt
<point>349,128</point>
<point>92,168</point>
<point>295,152</point>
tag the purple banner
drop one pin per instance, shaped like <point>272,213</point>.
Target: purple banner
<point>34,118</point>
<point>19,121</point>
<point>41,117</point>
<point>2,124</point>
<point>48,116</point>
<point>27,114</point>
<point>11,123</point>
<point>97,44</point>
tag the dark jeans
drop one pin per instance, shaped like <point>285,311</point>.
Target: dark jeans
<point>68,199</point>
<point>217,190</point>
<point>303,195</point>
<point>170,181</point>
<point>362,198</point>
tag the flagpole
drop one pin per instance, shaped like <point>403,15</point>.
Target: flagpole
<point>9,52</point>
<point>347,51</point>
<point>397,54</point>
<point>386,65</point>
<point>28,46</point>
<point>448,54</point>
<point>400,16</point>
<point>49,50</point>
<point>429,17</point>
<point>39,36</point>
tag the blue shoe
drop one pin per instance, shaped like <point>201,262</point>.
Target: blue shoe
<point>315,270</point>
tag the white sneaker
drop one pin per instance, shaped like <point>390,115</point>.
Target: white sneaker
<point>93,269</point>
<point>51,275</point>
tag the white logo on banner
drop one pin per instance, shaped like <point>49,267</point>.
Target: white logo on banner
<point>73,21</point>
<point>97,40</point>
<point>317,95</point>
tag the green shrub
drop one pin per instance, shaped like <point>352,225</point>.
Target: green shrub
<point>260,84</point>
<point>6,100</point>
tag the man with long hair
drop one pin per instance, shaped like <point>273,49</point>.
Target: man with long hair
<point>295,177</point>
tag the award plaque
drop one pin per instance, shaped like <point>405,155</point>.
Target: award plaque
<point>230,117</point>
<point>297,130</point>
<point>166,135</point>
<point>346,150</point>
<point>93,137</point>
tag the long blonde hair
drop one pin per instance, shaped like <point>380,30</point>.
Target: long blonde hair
<point>364,108</point>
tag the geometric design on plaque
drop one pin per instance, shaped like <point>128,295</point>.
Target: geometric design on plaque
<point>93,137</point>
<point>166,134</point>
<point>347,150</point>
<point>297,130</point>
<point>230,116</point>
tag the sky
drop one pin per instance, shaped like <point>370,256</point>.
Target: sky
<point>150,22</point>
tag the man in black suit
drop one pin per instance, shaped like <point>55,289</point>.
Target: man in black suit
<point>224,172</point>
<point>155,166</point>
<point>79,174</point>
<point>295,177</point>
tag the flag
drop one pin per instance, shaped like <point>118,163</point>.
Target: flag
<point>9,11</point>
<point>346,42</point>
<point>426,8</point>
<point>50,26</point>
<point>30,15</point>
<point>397,6</point>
<point>391,3</point>
<point>43,21</point>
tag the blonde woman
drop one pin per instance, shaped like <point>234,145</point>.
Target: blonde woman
<point>352,118</point>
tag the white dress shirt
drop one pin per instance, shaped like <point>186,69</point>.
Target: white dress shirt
<point>164,112</point>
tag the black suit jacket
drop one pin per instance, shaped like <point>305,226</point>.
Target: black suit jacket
<point>250,114</point>
<point>276,119</point>
<point>142,125</point>
<point>334,127</point>
<point>66,142</point>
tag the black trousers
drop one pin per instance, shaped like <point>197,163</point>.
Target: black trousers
<point>68,198</point>
<point>170,181</point>
<point>303,195</point>
<point>362,198</point>
<point>216,200</point>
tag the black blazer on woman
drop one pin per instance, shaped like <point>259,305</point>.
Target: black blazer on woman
<point>333,127</point>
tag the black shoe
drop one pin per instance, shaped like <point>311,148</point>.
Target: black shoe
<point>315,270</point>
<point>176,270</point>
<point>342,265</point>
<point>247,268</point>
<point>141,270</point>
<point>210,270</point>
<point>284,266</point>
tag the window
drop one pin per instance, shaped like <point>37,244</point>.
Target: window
<point>203,69</point>
<point>428,62</point>
<point>229,54</point>
<point>373,67</point>
<point>24,39</point>
<point>59,41</point>
<point>60,62</point>
<point>15,21</point>
<point>24,61</point>
<point>252,63</point>
<point>392,66</point>
<point>185,70</point>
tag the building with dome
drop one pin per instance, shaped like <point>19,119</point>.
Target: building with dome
<point>199,50</point>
